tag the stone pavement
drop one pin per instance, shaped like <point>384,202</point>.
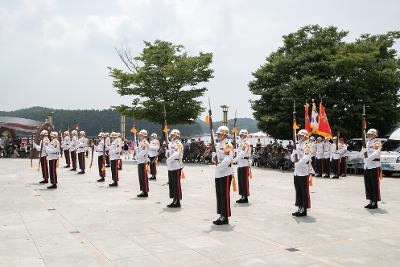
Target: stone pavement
<point>84,223</point>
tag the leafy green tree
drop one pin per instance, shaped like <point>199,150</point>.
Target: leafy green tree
<point>316,63</point>
<point>163,74</point>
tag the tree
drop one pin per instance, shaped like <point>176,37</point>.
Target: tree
<point>316,63</point>
<point>163,74</point>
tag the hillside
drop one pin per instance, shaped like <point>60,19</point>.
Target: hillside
<point>93,121</point>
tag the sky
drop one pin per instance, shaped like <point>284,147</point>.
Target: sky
<point>55,53</point>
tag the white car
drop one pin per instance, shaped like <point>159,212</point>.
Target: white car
<point>390,155</point>
<point>354,159</point>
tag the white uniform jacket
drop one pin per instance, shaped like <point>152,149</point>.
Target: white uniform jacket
<point>74,144</point>
<point>142,151</point>
<point>53,150</point>
<point>243,154</point>
<point>154,146</point>
<point>372,160</point>
<point>224,153</point>
<point>66,143</point>
<point>46,142</point>
<point>82,145</point>
<point>114,150</point>
<point>175,155</point>
<point>301,167</point>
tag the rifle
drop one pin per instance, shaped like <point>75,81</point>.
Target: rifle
<point>234,133</point>
<point>91,161</point>
<point>61,142</point>
<point>40,153</point>
<point>213,149</point>
<point>363,131</point>
<point>165,131</point>
<point>296,157</point>
<point>31,150</point>
<point>337,140</point>
<point>103,165</point>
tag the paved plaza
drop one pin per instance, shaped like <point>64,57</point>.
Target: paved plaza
<point>85,223</point>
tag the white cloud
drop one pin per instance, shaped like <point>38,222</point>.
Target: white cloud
<point>66,46</point>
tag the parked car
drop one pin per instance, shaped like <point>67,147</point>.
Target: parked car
<point>354,159</point>
<point>390,155</point>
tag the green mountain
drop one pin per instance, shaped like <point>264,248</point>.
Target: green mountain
<point>93,121</point>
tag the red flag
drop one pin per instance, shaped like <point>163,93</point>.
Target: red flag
<point>307,123</point>
<point>323,125</point>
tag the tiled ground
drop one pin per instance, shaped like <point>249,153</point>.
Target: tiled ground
<point>84,223</point>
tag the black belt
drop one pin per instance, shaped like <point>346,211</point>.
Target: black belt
<point>246,158</point>
<point>376,160</point>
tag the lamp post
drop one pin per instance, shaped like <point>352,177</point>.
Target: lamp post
<point>225,115</point>
<point>122,127</point>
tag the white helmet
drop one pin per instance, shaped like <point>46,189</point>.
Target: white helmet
<point>66,133</point>
<point>223,130</point>
<point>303,132</point>
<point>243,132</point>
<point>153,135</point>
<point>54,134</point>
<point>373,131</point>
<point>44,132</point>
<point>175,132</point>
<point>74,132</point>
<point>101,134</point>
<point>118,134</point>
<point>82,133</point>
<point>113,135</point>
<point>106,134</point>
<point>143,133</point>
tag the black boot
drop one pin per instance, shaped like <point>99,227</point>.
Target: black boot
<point>101,180</point>
<point>221,221</point>
<point>81,172</point>
<point>368,206</point>
<point>373,206</point>
<point>297,212</point>
<point>143,194</point>
<point>302,212</point>
<point>240,200</point>
<point>44,182</point>
<point>113,184</point>
<point>174,204</point>
<point>54,186</point>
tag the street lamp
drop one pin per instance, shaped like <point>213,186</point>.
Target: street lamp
<point>225,115</point>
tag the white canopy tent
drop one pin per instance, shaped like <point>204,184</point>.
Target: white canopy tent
<point>264,138</point>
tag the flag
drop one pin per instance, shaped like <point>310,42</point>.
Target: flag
<point>235,130</point>
<point>295,126</point>
<point>133,130</point>
<point>323,124</point>
<point>314,118</point>
<point>165,130</point>
<point>307,123</point>
<point>207,120</point>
